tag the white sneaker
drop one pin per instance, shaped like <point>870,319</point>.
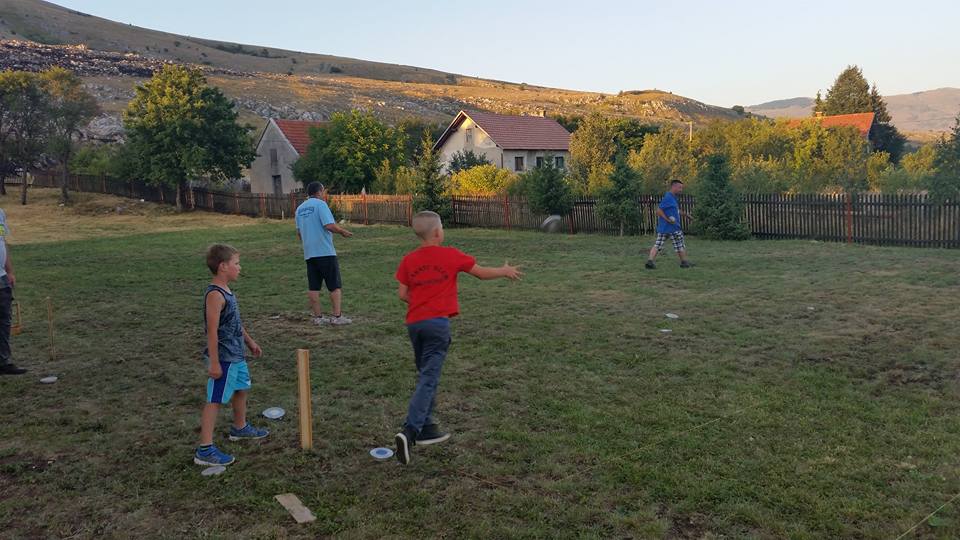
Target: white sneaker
<point>340,321</point>
<point>321,320</point>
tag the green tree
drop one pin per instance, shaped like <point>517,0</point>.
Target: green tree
<point>719,211</point>
<point>482,180</point>
<point>27,123</point>
<point>665,156</point>
<point>547,190</point>
<point>432,185</point>
<point>179,128</point>
<point>346,153</point>
<point>595,145</point>
<point>945,183</point>
<point>618,202</point>
<point>71,108</point>
<point>413,130</point>
<point>465,159</point>
<point>850,94</point>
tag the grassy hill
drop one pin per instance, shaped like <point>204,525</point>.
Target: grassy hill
<point>290,84</point>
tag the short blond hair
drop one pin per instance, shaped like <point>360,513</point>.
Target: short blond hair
<point>219,253</point>
<point>425,222</point>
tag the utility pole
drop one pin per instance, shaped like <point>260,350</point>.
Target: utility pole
<point>690,133</point>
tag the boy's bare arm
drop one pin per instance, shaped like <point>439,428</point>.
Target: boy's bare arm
<point>404,292</point>
<point>254,347</point>
<point>487,272</point>
<point>213,306</point>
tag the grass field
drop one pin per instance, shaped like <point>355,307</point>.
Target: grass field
<point>807,390</point>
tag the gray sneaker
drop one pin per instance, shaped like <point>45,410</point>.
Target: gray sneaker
<point>321,320</point>
<point>340,320</point>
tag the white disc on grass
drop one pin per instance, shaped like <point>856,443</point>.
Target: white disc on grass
<point>274,413</point>
<point>552,224</point>
<point>672,316</point>
<point>49,380</point>
<point>212,471</point>
<point>665,330</point>
<point>381,454</point>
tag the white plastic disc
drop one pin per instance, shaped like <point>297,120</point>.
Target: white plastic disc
<point>672,316</point>
<point>274,413</point>
<point>381,454</point>
<point>49,380</point>
<point>211,471</point>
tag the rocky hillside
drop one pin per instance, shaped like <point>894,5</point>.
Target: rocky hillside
<point>113,58</point>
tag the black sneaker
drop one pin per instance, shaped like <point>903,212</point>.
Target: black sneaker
<point>686,264</point>
<point>10,369</point>
<point>649,265</point>
<point>431,434</point>
<point>405,441</point>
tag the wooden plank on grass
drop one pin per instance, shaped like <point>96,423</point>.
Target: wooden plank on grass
<point>296,508</point>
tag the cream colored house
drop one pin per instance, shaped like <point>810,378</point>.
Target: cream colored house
<point>515,143</point>
<point>281,144</point>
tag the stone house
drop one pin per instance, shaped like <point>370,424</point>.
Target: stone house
<point>281,144</point>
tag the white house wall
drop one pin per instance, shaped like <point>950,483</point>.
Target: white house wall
<point>481,145</point>
<point>530,158</point>
<point>262,172</point>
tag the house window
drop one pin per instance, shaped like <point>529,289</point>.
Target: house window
<point>558,160</point>
<point>469,135</point>
<point>277,185</point>
<point>518,163</point>
<point>539,162</point>
<point>273,157</point>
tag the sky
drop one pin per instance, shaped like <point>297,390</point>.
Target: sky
<point>735,52</point>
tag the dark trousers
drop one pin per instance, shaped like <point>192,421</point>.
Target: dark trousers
<point>6,299</point>
<point>430,340</point>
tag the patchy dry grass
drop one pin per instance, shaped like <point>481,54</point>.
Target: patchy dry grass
<point>573,416</point>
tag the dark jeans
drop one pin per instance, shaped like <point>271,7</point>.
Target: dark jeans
<point>6,298</point>
<point>430,340</point>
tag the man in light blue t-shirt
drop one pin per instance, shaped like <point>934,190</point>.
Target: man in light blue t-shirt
<point>668,225</point>
<point>315,228</point>
<point>7,281</point>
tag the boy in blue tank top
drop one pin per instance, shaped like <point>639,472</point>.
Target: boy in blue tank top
<point>229,379</point>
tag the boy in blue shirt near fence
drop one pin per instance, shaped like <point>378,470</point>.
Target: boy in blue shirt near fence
<point>229,379</point>
<point>668,225</point>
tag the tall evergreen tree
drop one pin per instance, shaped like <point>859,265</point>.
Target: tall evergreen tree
<point>617,201</point>
<point>431,183</point>
<point>850,94</point>
<point>719,211</point>
<point>945,184</point>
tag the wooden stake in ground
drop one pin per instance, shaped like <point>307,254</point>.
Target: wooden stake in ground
<point>296,508</point>
<point>50,325</point>
<point>306,407</point>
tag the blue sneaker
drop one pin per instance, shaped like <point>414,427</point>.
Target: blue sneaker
<point>247,433</point>
<point>213,456</point>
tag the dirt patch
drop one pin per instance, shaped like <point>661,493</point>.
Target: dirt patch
<point>693,526</point>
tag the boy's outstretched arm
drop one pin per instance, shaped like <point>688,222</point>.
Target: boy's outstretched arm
<point>487,272</point>
<point>212,307</point>
<point>404,293</point>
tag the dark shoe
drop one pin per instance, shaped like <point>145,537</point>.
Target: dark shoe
<point>649,265</point>
<point>431,434</point>
<point>405,441</point>
<point>686,264</point>
<point>10,369</point>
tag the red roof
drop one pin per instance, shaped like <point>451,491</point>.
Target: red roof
<point>297,132</point>
<point>862,121</point>
<point>514,132</point>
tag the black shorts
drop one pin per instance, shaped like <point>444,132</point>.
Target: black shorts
<point>323,269</point>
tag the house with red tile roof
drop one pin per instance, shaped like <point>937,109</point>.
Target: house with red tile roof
<point>281,144</point>
<point>863,122</point>
<point>515,143</point>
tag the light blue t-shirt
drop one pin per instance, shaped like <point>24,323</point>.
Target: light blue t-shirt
<point>4,233</point>
<point>671,209</point>
<point>312,218</point>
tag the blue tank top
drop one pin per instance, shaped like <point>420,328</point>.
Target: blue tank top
<point>230,329</point>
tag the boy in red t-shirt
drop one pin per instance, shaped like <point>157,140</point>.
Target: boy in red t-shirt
<point>428,284</point>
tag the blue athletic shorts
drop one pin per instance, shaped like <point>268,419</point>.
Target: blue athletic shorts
<point>235,377</point>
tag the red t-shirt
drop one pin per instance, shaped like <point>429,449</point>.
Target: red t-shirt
<point>430,273</point>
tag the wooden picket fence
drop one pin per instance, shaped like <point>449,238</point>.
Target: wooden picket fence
<point>867,218</point>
